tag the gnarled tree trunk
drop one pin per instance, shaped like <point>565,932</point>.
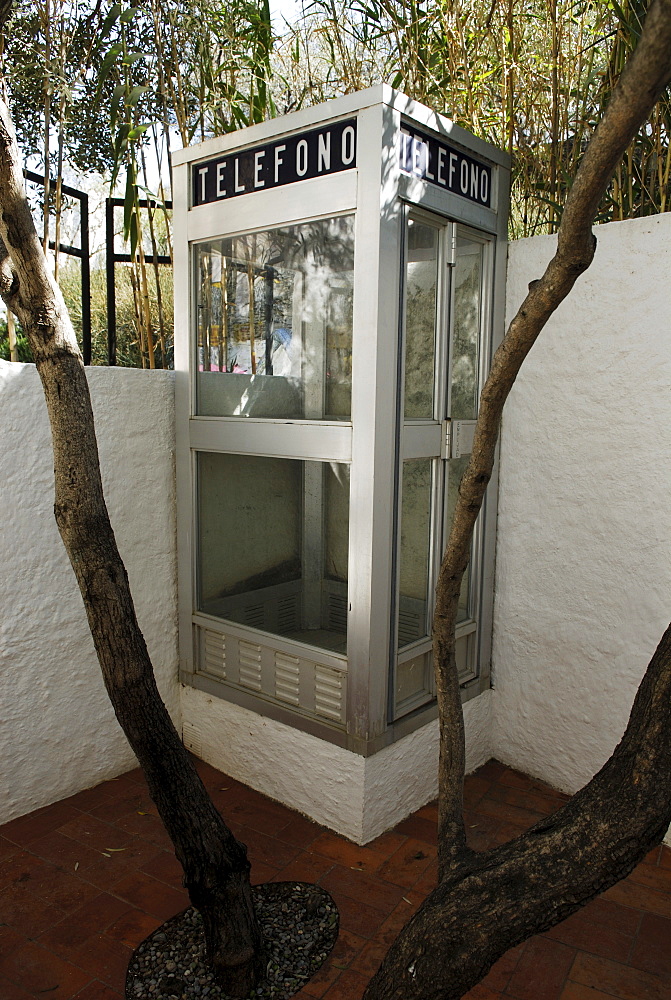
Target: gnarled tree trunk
<point>216,869</point>
<point>486,903</point>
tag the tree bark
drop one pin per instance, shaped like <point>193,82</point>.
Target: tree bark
<point>492,901</point>
<point>216,869</point>
<point>645,77</point>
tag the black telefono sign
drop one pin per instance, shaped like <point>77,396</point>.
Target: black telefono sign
<point>432,160</point>
<point>292,158</point>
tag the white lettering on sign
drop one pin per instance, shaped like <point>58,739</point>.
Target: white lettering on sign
<point>348,145</point>
<point>417,157</point>
<point>453,167</point>
<point>463,179</point>
<point>434,160</point>
<point>427,159</point>
<point>202,173</point>
<point>290,158</point>
<point>239,188</point>
<point>258,167</point>
<point>221,190</point>
<point>475,177</point>
<point>441,165</point>
<point>324,152</point>
<point>279,160</point>
<point>302,158</point>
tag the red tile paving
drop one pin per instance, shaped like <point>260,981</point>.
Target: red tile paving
<point>83,881</point>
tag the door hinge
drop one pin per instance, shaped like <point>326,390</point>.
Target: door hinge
<point>451,259</point>
<point>457,438</point>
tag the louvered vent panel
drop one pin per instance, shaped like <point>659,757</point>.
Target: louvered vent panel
<point>409,625</point>
<point>214,654</point>
<point>328,692</point>
<point>337,612</point>
<point>287,614</point>
<point>287,677</point>
<point>191,739</point>
<point>249,656</point>
<point>254,615</point>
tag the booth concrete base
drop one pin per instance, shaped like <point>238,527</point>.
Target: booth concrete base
<point>357,797</point>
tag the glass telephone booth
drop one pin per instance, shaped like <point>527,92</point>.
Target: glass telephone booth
<point>339,288</point>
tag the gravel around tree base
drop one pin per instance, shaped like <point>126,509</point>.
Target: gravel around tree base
<point>299,923</point>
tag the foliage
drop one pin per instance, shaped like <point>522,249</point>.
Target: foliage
<point>130,352</point>
<point>102,85</point>
<point>530,76</point>
<point>25,354</point>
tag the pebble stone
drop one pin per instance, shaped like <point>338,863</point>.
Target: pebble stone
<point>299,923</point>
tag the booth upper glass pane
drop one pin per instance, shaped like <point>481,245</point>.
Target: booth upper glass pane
<point>468,274</point>
<point>274,335</point>
<point>421,298</point>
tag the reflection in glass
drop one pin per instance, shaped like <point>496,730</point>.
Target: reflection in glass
<point>272,542</point>
<point>420,319</point>
<point>455,470</point>
<point>467,312</point>
<point>412,679</point>
<point>414,562</point>
<point>275,322</point>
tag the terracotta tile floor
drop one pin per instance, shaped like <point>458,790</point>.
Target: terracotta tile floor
<point>83,881</point>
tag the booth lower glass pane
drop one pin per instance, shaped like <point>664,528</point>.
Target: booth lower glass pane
<point>272,545</point>
<point>412,687</point>
<point>415,551</point>
<point>455,470</point>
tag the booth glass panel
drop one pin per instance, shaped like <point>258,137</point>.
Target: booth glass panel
<point>421,303</point>
<point>272,545</point>
<point>468,271</point>
<point>414,551</point>
<point>274,325</point>
<point>455,470</point>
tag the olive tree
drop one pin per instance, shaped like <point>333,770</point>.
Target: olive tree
<point>486,902</point>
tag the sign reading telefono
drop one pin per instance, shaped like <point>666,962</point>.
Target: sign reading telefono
<point>292,158</point>
<point>432,160</point>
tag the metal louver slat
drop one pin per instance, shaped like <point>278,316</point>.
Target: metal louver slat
<point>328,693</point>
<point>287,678</point>
<point>214,653</point>
<point>249,656</point>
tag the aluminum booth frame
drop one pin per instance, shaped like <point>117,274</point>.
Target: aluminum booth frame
<point>417,194</point>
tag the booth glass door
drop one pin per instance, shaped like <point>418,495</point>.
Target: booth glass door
<point>444,341</point>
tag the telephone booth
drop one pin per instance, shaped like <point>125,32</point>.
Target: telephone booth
<point>339,288</point>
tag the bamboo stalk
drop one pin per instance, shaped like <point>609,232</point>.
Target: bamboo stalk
<point>11,336</point>
<point>250,287</point>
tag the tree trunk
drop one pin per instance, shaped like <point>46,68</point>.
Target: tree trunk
<point>487,903</point>
<point>216,869</point>
<point>492,901</point>
<point>643,80</point>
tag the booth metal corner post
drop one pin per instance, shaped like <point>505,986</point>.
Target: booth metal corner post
<point>339,288</point>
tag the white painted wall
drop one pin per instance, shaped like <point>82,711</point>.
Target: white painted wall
<point>359,797</point>
<point>58,733</point>
<point>583,574</point>
<point>582,584</point>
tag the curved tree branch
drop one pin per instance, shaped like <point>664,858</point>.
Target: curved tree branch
<point>643,80</point>
<point>492,901</point>
<point>216,869</point>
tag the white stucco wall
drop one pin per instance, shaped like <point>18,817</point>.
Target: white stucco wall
<point>583,573</point>
<point>58,733</point>
<point>356,796</point>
